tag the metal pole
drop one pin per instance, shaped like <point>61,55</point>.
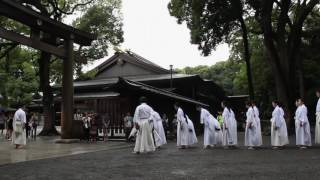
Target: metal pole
<point>171,69</point>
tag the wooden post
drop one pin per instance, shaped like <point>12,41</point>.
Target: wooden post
<point>67,91</point>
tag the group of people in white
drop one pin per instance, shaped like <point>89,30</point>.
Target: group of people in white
<point>150,133</point>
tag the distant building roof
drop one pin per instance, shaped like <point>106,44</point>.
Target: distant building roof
<point>133,58</point>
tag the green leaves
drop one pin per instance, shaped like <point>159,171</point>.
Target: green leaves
<point>18,80</point>
<point>104,19</point>
<point>210,21</point>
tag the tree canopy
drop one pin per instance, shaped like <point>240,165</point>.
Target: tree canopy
<point>280,24</point>
<point>102,17</point>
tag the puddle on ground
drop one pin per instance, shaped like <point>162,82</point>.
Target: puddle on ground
<point>179,172</point>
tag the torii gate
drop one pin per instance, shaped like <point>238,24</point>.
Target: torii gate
<point>70,35</point>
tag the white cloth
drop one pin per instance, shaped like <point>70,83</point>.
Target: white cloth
<point>192,137</point>
<point>158,132</point>
<point>317,127</point>
<point>182,129</point>
<point>303,135</point>
<point>133,132</point>
<point>251,133</point>
<point>144,138</point>
<point>258,123</point>
<point>279,132</point>
<point>86,122</point>
<point>317,130</point>
<point>318,106</point>
<point>212,129</point>
<point>19,118</point>
<point>229,128</point>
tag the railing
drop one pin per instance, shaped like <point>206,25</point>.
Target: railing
<point>116,131</point>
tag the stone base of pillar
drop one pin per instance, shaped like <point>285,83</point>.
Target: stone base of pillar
<point>67,141</point>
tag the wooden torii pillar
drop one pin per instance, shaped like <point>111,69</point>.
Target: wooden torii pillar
<point>70,35</point>
<point>67,91</point>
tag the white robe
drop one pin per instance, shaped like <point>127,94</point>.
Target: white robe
<point>317,127</point>
<point>192,137</point>
<point>251,133</point>
<point>229,128</point>
<point>258,122</point>
<point>303,135</point>
<point>19,118</point>
<point>158,132</point>
<point>279,132</point>
<point>182,129</point>
<point>212,134</point>
<point>144,138</point>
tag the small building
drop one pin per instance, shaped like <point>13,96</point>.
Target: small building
<point>123,78</point>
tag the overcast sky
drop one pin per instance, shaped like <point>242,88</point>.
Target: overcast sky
<point>151,32</point>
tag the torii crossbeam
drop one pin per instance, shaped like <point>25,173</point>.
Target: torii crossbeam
<point>70,35</point>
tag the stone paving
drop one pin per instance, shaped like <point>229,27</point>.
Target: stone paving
<point>115,161</point>
<point>45,147</point>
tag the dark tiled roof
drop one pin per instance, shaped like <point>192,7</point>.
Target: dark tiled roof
<point>142,78</point>
<point>144,87</point>
<point>134,58</point>
<point>144,60</point>
<point>94,95</point>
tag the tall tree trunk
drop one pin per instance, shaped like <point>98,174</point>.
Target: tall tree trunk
<point>284,78</point>
<point>47,101</point>
<point>300,77</point>
<point>247,57</point>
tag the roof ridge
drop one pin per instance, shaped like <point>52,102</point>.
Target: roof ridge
<point>144,60</point>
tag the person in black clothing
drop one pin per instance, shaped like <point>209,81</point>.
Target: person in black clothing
<point>86,126</point>
<point>9,126</point>
<point>33,125</point>
<point>27,125</point>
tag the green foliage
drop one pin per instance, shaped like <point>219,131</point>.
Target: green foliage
<point>222,73</point>
<point>101,17</point>
<point>88,75</point>
<point>18,80</point>
<point>104,19</point>
<point>211,22</point>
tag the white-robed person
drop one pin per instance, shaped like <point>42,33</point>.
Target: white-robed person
<point>279,132</point>
<point>19,138</point>
<point>182,128</point>
<point>230,137</point>
<point>212,130</point>
<point>143,123</point>
<point>317,127</point>
<point>192,137</point>
<point>303,135</point>
<point>251,133</point>
<point>258,122</point>
<point>158,132</point>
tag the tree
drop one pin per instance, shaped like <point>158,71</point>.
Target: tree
<point>110,34</point>
<point>222,73</point>
<point>212,22</point>
<point>18,77</point>
<point>279,22</point>
<point>103,19</point>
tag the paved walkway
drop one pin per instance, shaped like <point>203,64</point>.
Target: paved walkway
<point>114,160</point>
<point>45,147</point>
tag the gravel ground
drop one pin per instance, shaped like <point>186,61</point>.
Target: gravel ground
<point>171,163</point>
